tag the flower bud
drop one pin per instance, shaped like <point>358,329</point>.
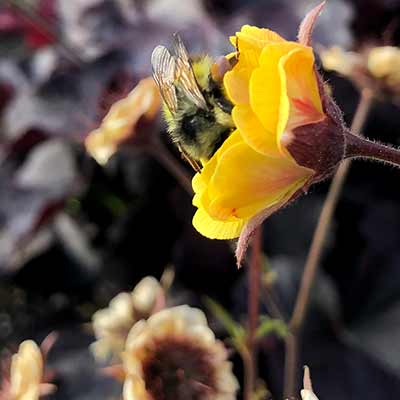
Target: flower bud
<point>111,325</point>
<point>307,392</point>
<point>384,63</point>
<point>343,62</point>
<point>24,376</point>
<point>376,68</point>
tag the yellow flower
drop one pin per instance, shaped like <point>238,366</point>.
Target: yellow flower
<point>111,325</point>
<point>26,372</point>
<point>174,354</point>
<point>119,125</point>
<point>274,90</point>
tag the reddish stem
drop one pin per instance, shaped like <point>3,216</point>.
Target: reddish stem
<point>254,273</point>
<point>359,147</point>
<point>315,252</point>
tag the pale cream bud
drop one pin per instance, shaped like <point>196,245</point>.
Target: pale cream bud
<point>145,295</point>
<point>26,372</point>
<point>338,60</point>
<point>384,63</point>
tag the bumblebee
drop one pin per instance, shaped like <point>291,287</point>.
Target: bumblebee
<point>196,109</point>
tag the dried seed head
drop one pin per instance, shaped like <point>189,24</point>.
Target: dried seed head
<point>178,369</point>
<point>175,356</point>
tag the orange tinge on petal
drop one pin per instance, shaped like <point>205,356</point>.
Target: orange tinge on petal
<point>120,122</point>
<point>274,90</point>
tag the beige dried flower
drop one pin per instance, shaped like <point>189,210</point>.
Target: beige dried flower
<point>376,68</point>
<point>339,60</point>
<point>26,372</point>
<point>120,124</point>
<point>174,355</point>
<point>111,325</point>
<point>384,63</point>
<point>23,375</point>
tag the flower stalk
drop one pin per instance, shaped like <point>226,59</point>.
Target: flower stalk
<point>254,273</point>
<point>317,246</point>
<point>359,147</point>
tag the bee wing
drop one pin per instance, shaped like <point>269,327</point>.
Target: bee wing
<point>185,75</point>
<point>164,66</point>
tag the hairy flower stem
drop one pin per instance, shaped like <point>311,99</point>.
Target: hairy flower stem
<point>254,274</point>
<point>358,147</point>
<point>315,252</point>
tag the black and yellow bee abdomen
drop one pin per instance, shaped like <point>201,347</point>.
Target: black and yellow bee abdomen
<point>200,134</point>
<point>191,124</point>
<point>197,112</point>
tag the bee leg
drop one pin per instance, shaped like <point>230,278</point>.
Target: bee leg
<point>193,163</point>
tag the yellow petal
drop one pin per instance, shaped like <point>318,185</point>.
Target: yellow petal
<point>214,229</point>
<point>234,138</point>
<point>236,81</point>
<point>198,185</point>
<point>201,180</point>
<point>236,84</point>
<point>246,182</point>
<point>253,132</point>
<point>267,90</point>
<point>254,38</point>
<point>297,69</point>
<point>283,91</point>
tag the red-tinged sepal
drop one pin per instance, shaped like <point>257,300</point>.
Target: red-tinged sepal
<point>319,146</point>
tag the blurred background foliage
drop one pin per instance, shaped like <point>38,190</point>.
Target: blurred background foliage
<point>73,233</point>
